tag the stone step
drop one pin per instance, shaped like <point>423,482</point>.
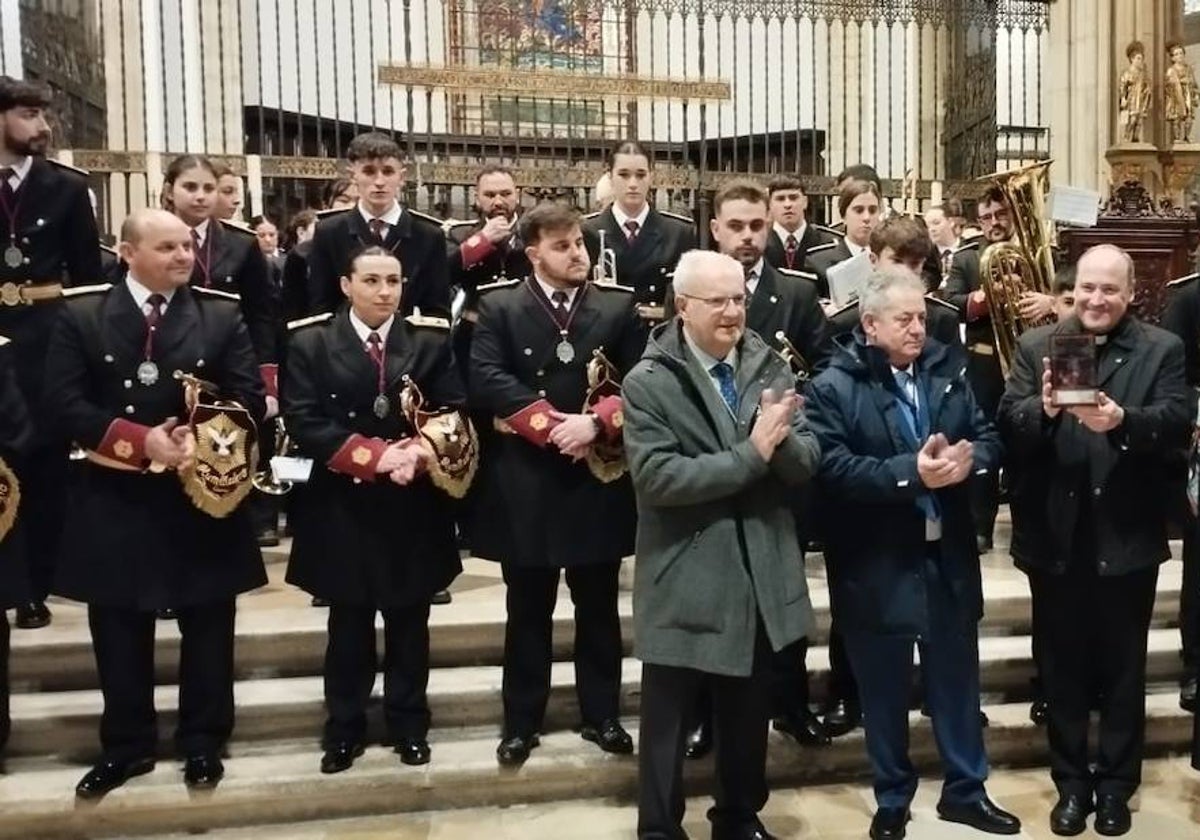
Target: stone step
<point>65,723</point>
<point>280,635</point>
<point>278,782</point>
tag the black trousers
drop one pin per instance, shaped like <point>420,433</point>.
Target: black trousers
<point>528,644</point>
<point>1094,654</point>
<point>1189,599</point>
<point>350,665</point>
<point>741,707</point>
<point>44,498</point>
<point>5,719</point>
<point>123,640</point>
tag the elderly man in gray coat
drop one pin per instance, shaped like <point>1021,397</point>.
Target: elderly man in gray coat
<point>716,442</point>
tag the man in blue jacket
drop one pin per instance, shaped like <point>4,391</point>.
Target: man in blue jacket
<point>900,435</point>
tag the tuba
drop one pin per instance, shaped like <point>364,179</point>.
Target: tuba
<point>264,481</point>
<point>1007,270</point>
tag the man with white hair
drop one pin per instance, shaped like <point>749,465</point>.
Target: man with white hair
<point>1091,491</point>
<point>716,444</point>
<point>900,434</point>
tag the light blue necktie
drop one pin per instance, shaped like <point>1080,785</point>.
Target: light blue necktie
<point>723,373</point>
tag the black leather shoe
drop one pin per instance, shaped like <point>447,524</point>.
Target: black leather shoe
<point>1038,711</point>
<point>441,597</point>
<point>983,816</point>
<point>610,736</point>
<point>746,831</point>
<point>805,727</point>
<point>203,772</point>
<point>33,615</point>
<point>1069,816</point>
<point>110,775</point>
<point>1112,815</point>
<point>513,751</point>
<point>412,750</point>
<point>340,757</point>
<point>1187,695</point>
<point>841,716</point>
<point>268,538</point>
<point>889,823</point>
<point>319,602</point>
<point>698,742</point>
<point>166,614</point>
<point>983,543</point>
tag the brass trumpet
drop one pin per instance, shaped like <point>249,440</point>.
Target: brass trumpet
<point>605,270</point>
<point>794,358</point>
<point>264,481</point>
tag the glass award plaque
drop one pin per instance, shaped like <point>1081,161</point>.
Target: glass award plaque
<point>1073,370</point>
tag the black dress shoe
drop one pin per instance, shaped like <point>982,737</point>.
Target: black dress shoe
<point>746,831</point>
<point>203,772</point>
<point>610,736</point>
<point>1069,816</point>
<point>442,596</point>
<point>33,615</point>
<point>319,602</point>
<point>983,816</point>
<point>1187,695</point>
<point>983,543</point>
<point>805,727</point>
<point>698,742</point>
<point>889,823</point>
<point>841,716</point>
<point>340,757</point>
<point>268,538</point>
<point>513,751</point>
<point>1039,710</point>
<point>412,750</point>
<point>1112,815</point>
<point>110,775</point>
<point>166,614</point>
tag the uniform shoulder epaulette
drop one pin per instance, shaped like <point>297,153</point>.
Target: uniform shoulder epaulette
<point>593,214</point>
<point>1183,281</point>
<point>966,246</point>
<point>425,217</point>
<point>830,230</point>
<point>79,291</point>
<point>499,284</point>
<point>234,224</point>
<point>845,308</point>
<point>216,293</point>
<point>614,287</point>
<point>68,167</point>
<point>309,321</point>
<point>971,233</point>
<point>4,341</point>
<point>822,247</point>
<point>795,272</point>
<point>332,211</point>
<point>432,321</point>
<point>679,217</point>
<point>108,248</point>
<point>931,298</point>
<point>451,224</point>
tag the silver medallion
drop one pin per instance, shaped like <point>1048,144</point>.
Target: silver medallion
<point>565,352</point>
<point>381,407</point>
<point>147,373</point>
<point>14,257</point>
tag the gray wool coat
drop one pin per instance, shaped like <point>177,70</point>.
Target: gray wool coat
<point>716,538</point>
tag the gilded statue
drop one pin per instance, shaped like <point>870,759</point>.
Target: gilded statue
<point>1135,95</point>
<point>1180,94</point>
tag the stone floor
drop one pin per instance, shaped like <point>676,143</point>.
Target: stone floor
<point>1168,808</point>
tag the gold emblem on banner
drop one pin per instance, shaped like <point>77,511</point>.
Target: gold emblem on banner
<point>222,472</point>
<point>10,498</point>
<point>605,459</point>
<point>450,435</point>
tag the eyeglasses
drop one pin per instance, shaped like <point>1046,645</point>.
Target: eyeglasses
<point>719,302</point>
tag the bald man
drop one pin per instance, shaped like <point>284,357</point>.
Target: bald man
<point>134,542</point>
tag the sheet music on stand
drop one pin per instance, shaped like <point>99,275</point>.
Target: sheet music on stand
<point>1074,206</point>
<point>848,278</point>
